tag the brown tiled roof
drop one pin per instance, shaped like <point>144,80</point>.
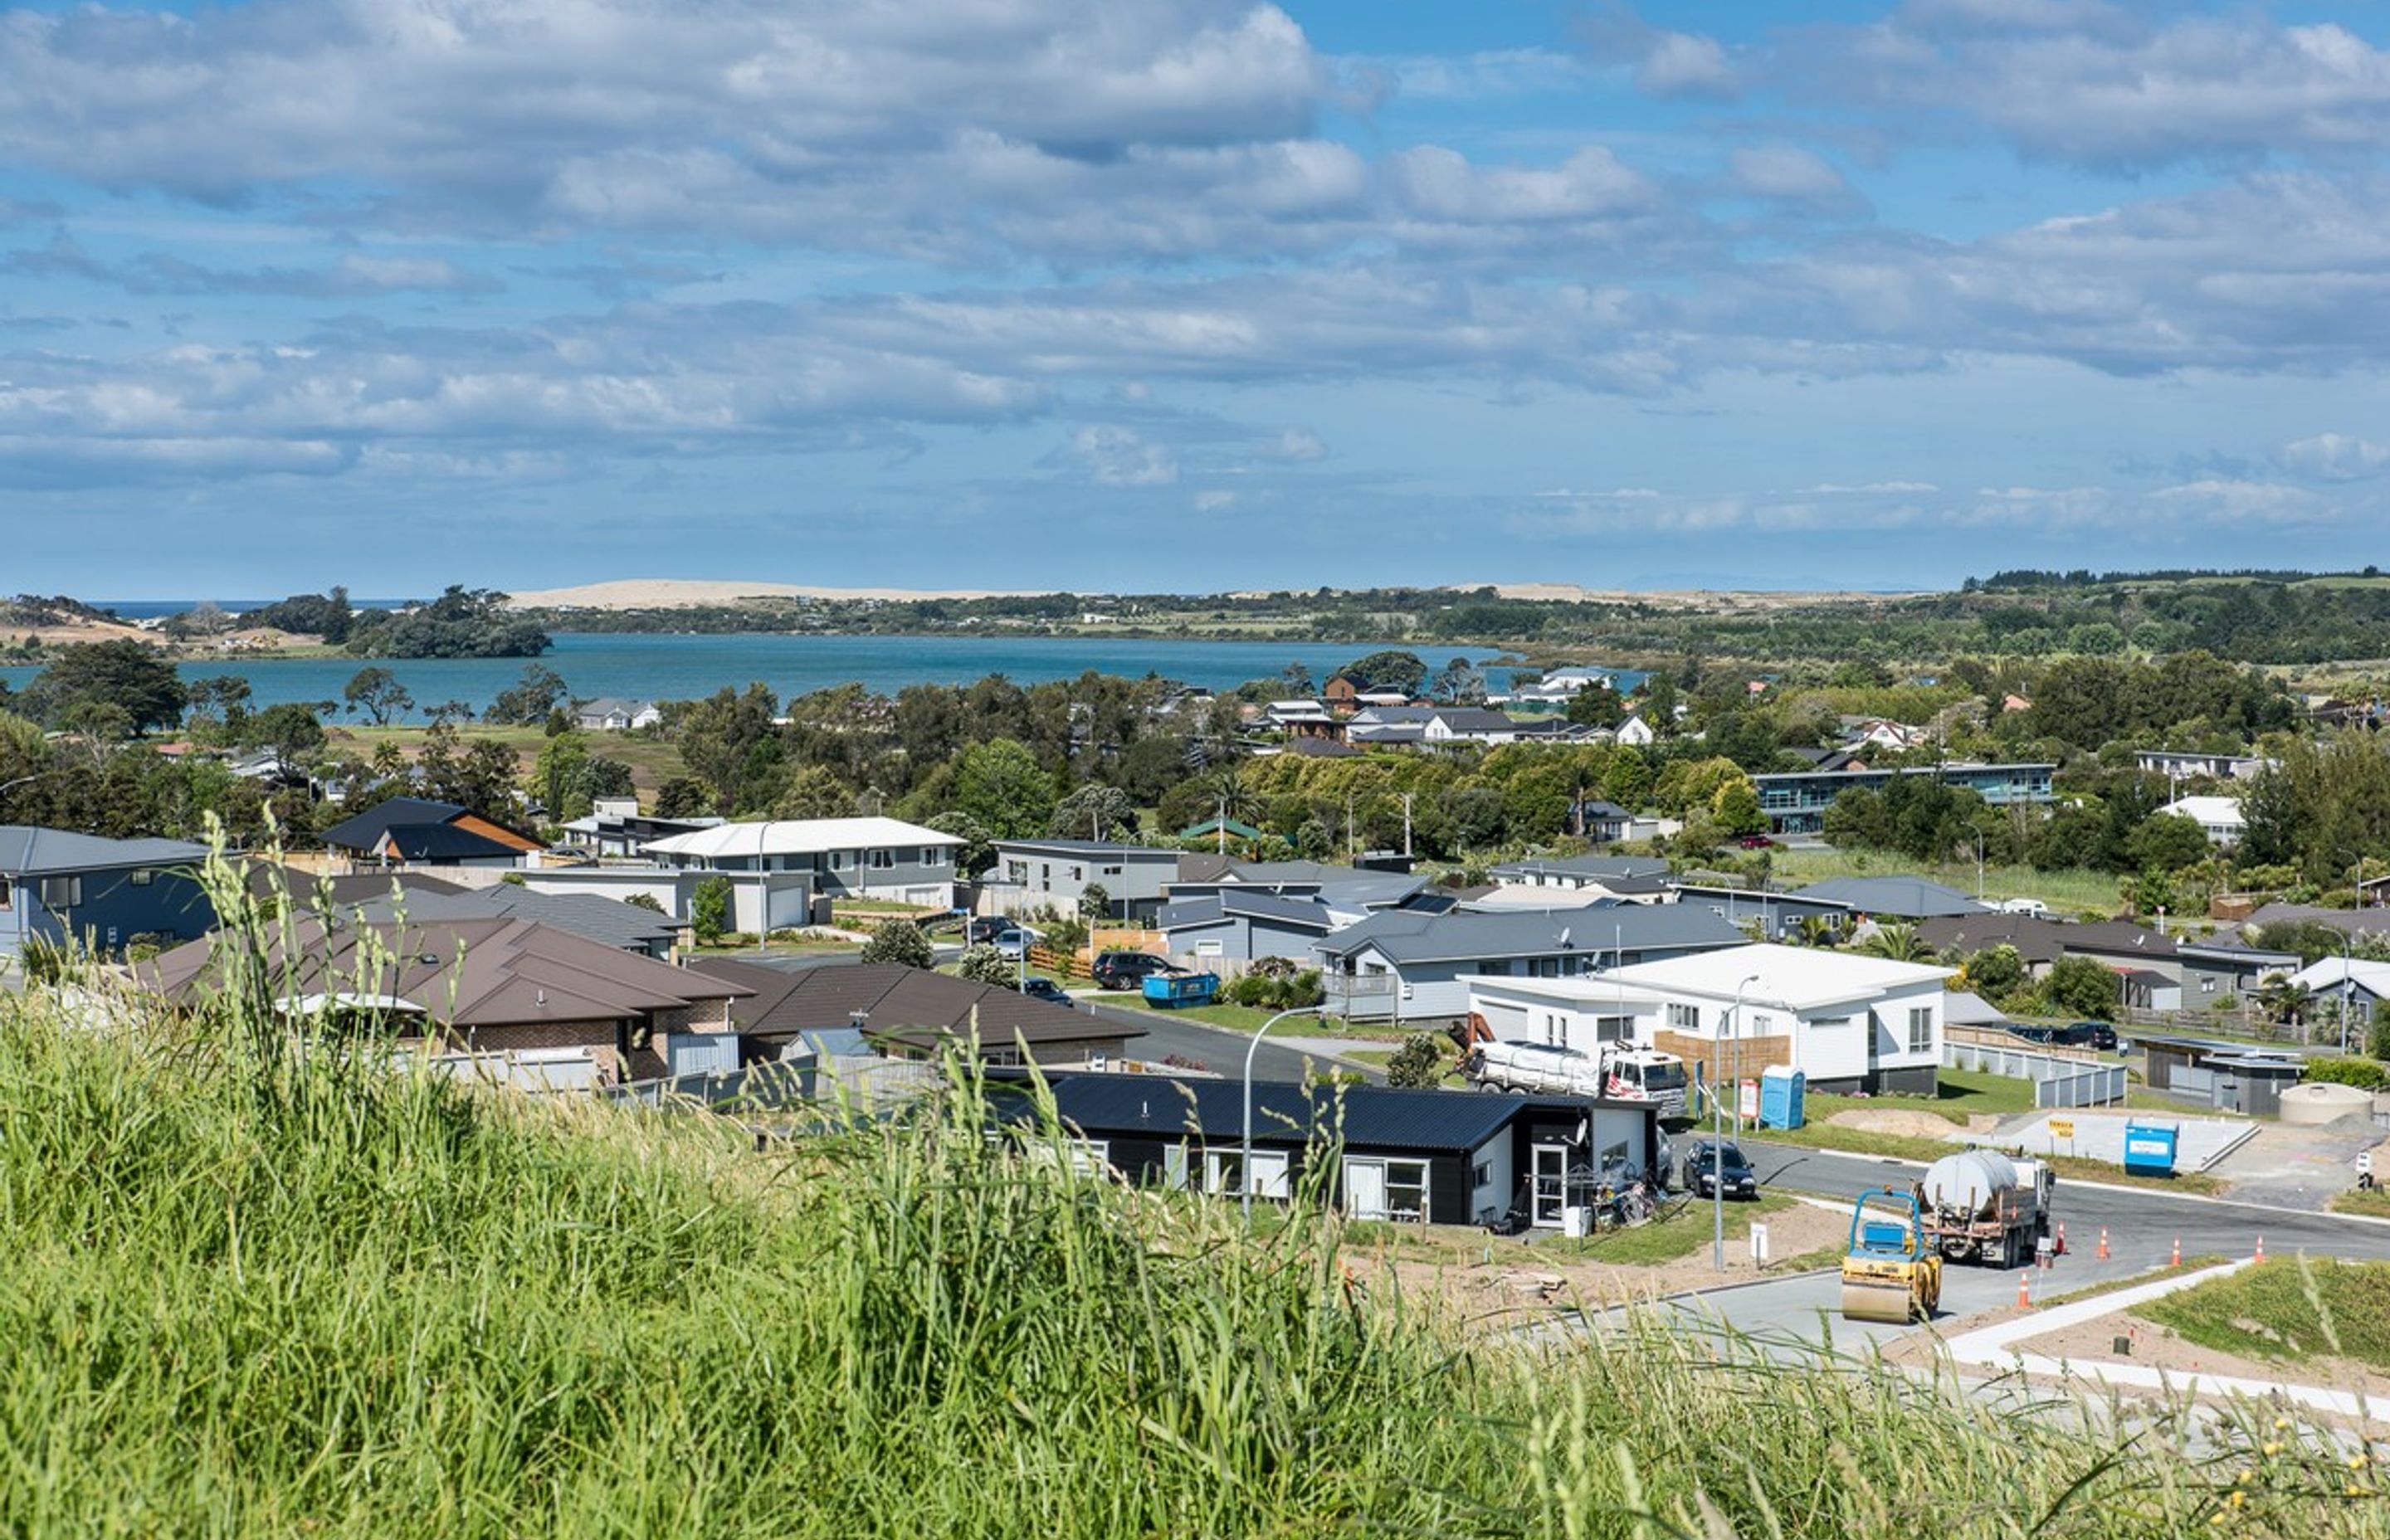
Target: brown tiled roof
<point>909,1005</point>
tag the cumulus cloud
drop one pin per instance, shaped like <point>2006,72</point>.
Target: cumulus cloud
<point>1686,64</point>
<point>355,275</point>
<point>1116,456</point>
<point>2335,457</point>
<point>1789,175</point>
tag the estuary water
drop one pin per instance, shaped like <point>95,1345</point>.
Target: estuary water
<point>660,667</point>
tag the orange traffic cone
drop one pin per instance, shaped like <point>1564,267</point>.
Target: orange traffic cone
<point>2261,1247</point>
<point>2024,1289</point>
<point>2177,1260</point>
<point>2062,1237</point>
<point>2103,1242</point>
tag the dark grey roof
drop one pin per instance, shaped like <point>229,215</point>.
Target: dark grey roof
<point>1901,897</point>
<point>1596,866</point>
<point>28,850</point>
<point>1475,719</point>
<point>1210,908</point>
<point>1088,848</point>
<point>440,842</point>
<point>616,924</point>
<point>608,705</point>
<point>1203,871</point>
<point>1408,936</point>
<point>2039,939</point>
<point>1396,717</point>
<point>365,831</point>
<point>2354,922</point>
<point>908,1004</point>
<point>1374,1117</point>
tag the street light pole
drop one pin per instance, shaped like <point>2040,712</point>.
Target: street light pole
<point>1717,1137</point>
<point>1245,1150</point>
<point>1979,866</point>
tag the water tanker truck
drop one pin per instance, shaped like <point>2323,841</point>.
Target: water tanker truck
<point>1616,1072</point>
<point>1980,1205</point>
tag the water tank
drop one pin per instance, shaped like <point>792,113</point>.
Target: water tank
<point>2321,1101</point>
<point>1972,1181</point>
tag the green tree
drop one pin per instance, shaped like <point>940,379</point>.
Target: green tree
<point>899,942</point>
<point>561,778</point>
<point>2169,843</point>
<point>2078,986</point>
<point>1897,942</point>
<point>134,677</point>
<point>1597,705</point>
<point>815,792</point>
<point>978,850</point>
<point>288,731</point>
<point>1418,1065</point>
<point>1736,808</point>
<point>223,699</point>
<point>1994,971</point>
<point>1389,669</point>
<point>709,910</point>
<point>727,740</point>
<point>1095,902</point>
<point>377,692</point>
<point>684,797</point>
<point>527,703</point>
<point>1000,785</point>
<point>1659,704</point>
<point>983,964</point>
<point>1093,812</point>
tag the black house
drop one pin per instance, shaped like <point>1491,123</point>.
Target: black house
<point>1447,1157</point>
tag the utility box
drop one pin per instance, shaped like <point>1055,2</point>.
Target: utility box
<point>2150,1148</point>
<point>1783,1097</point>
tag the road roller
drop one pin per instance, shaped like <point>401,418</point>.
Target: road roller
<point>1891,1272</point>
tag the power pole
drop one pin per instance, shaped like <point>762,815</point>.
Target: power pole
<point>1406,825</point>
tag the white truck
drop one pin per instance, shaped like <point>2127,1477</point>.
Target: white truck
<point>1980,1205</point>
<point>1616,1070</point>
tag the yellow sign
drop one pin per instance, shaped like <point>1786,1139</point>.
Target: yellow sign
<point>2062,1128</point>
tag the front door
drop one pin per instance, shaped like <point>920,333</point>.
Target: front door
<point>1364,1188</point>
<point>1547,1190</point>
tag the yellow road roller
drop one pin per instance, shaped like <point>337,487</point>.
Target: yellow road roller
<point>1889,1271</point>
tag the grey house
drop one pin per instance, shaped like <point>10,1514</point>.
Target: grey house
<point>1408,964</point>
<point>1229,927</point>
<point>1777,916</point>
<point>1057,873</point>
<point>2214,970</point>
<point>103,893</point>
<point>1893,898</point>
<point>1580,871</point>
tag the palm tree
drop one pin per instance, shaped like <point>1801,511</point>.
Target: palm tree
<point>2285,1001</point>
<point>1899,943</point>
<point>1230,794</point>
<point>1814,930</point>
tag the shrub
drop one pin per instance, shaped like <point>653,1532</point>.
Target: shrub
<point>2366,1074</point>
<point>986,965</point>
<point>645,901</point>
<point>900,942</point>
<point>1419,1063</point>
<point>709,910</point>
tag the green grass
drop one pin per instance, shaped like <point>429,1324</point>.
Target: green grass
<point>1682,1227</point>
<point>254,1290</point>
<point>652,761</point>
<point>2069,890</point>
<point>2375,1203</point>
<point>2288,1309</point>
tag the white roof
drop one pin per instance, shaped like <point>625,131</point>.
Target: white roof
<point>1523,896</point>
<point>2208,810</point>
<point>798,837</point>
<point>2327,975</point>
<point>1787,978</point>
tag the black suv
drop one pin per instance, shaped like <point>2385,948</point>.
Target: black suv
<point>2086,1035</point>
<point>1049,991</point>
<point>1711,1166</point>
<point>2029,1033</point>
<point>1128,970</point>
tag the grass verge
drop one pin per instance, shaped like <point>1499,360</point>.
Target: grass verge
<point>2287,1310</point>
<point>1681,1228</point>
<point>2376,1204</point>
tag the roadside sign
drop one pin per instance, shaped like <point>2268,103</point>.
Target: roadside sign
<point>2062,1128</point>
<point>1749,1101</point>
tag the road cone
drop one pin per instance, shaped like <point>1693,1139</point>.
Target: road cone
<point>2062,1237</point>
<point>2176,1262</point>
<point>2261,1247</point>
<point>2024,1289</point>
<point>2103,1242</point>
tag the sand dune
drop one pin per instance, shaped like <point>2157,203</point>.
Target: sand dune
<point>688,593</point>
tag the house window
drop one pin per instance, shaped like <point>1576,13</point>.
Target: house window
<point>2208,986</point>
<point>1224,1173</point>
<point>1112,871</point>
<point>1407,1188</point>
<point>1078,874</point>
<point>1481,1174</point>
<point>934,856</point>
<point>61,893</point>
<point>1555,1031</point>
<point>1016,872</point>
<point>884,860</point>
<point>1684,1018</point>
<point>142,876</point>
<point>1089,1157</point>
<point>8,895</point>
<point>1921,1029</point>
<point>1762,1025</point>
<point>1612,1029</point>
<point>839,860</point>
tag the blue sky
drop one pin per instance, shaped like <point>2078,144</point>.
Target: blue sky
<point>1182,294</point>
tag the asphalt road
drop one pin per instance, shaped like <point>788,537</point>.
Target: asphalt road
<point>2143,1229</point>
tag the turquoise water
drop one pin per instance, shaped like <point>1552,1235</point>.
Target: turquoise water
<point>652,667</point>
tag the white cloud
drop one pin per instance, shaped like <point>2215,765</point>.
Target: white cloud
<point>1116,456</point>
<point>1684,64</point>
<point>2335,457</point>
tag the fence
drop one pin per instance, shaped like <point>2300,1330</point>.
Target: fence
<point>1993,1037</point>
<point>1359,993</point>
<point>2059,1080</point>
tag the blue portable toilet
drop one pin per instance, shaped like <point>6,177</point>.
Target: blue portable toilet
<point>2150,1148</point>
<point>1783,1097</point>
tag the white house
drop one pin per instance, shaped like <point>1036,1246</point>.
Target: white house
<point>1636,733</point>
<point>1850,1023</point>
<point>845,858</point>
<point>2361,987</point>
<point>2218,817</point>
<point>609,715</point>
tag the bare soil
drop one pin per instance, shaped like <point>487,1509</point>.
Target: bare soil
<point>1900,1121</point>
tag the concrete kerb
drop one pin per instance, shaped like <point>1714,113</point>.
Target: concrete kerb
<point>2117,1188</point>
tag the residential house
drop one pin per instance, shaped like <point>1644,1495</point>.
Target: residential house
<point>912,1013</point>
<point>2219,818</point>
<point>58,887</point>
<point>2357,985</point>
<point>1876,732</point>
<point>1795,801</point>
<point>1056,874</point>
<point>1635,733</point>
<point>1903,899</point>
<point>1558,687</point>
<point>521,1001</point>
<point>1368,699</point>
<point>1233,928</point>
<point>1849,1024</point>
<point>1201,873</point>
<point>782,874</point>
<point>2372,920</point>
<point>1301,719</point>
<point>2180,764</point>
<point>1828,758</point>
<point>2215,972</point>
<point>1390,726</point>
<point>1343,692</point>
<point>2147,962</point>
<point>1774,915</point>
<point>413,831</point>
<point>1601,873</point>
<point>613,714</point>
<point>616,828</point>
<point>1221,829</point>
<point>382,898</point>
<point>1411,966</point>
<point>1468,724</point>
<point>1318,746</point>
<point>1441,1157</point>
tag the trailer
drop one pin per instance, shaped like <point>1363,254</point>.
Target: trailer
<point>1168,990</point>
<point>1986,1207</point>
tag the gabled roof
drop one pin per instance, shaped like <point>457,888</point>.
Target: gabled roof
<point>604,920</point>
<point>438,842</point>
<point>1406,936</point>
<point>1116,849</point>
<point>1912,897</point>
<point>1598,867</point>
<point>1215,826</point>
<point>1211,908</point>
<point>908,1004</point>
<point>797,837</point>
<point>2330,974</point>
<point>365,831</point>
<point>29,850</point>
<point>2041,940</point>
<point>609,705</point>
<point>1370,1117</point>
<point>1201,870</point>
<point>1473,719</point>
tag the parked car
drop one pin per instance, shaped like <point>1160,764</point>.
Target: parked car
<point>983,928</point>
<point>1049,991</point>
<point>2087,1034</point>
<point>1128,970</point>
<point>2041,1036</point>
<point>1755,841</point>
<point>2033,907</point>
<point>1015,940</point>
<point>1712,1166</point>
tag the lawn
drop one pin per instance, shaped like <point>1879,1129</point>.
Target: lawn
<point>2288,1309</point>
<point>2375,1203</point>
<point>1683,1227</point>
<point>652,761</point>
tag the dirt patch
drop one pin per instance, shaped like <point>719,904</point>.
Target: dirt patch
<point>2158,1347</point>
<point>1497,1282</point>
<point>1895,1119</point>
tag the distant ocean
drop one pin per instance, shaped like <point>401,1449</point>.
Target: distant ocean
<point>661,667</point>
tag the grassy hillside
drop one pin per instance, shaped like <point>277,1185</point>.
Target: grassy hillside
<point>2288,1309</point>
<point>252,1291</point>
